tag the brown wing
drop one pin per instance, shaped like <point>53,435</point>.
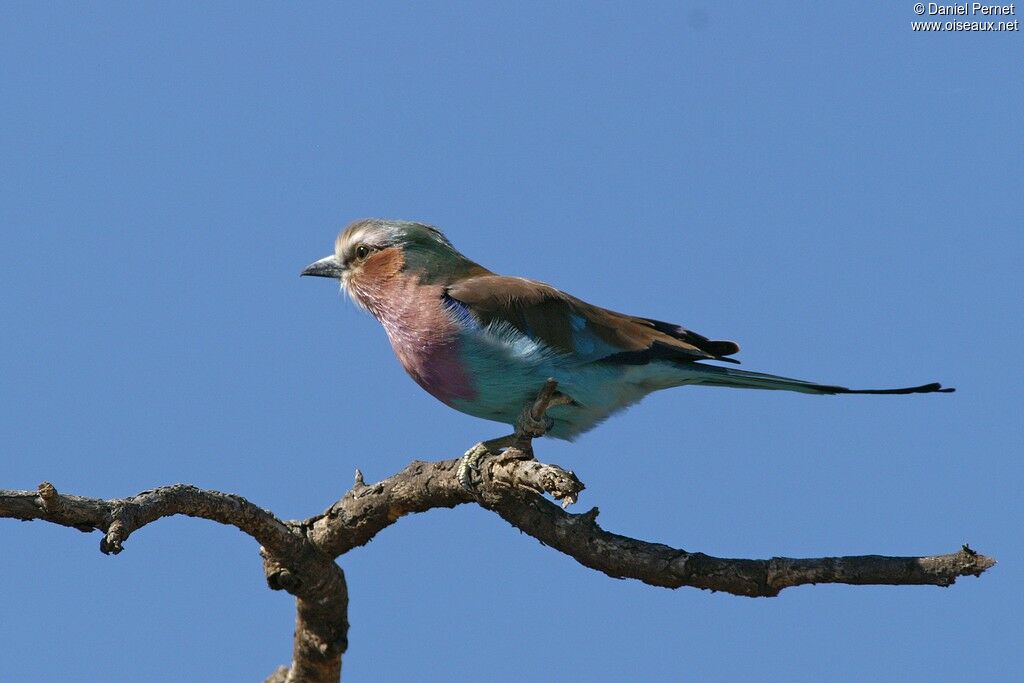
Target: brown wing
<point>562,322</point>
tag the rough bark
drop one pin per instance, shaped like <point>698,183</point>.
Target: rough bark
<point>299,555</point>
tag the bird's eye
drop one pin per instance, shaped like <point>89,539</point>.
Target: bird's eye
<point>362,251</point>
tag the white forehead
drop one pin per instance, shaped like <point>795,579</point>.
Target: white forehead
<point>368,231</point>
<point>352,236</point>
<point>380,233</point>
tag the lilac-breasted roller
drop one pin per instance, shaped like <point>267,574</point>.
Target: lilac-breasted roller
<point>485,344</point>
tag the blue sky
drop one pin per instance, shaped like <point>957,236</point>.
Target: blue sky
<point>840,195</point>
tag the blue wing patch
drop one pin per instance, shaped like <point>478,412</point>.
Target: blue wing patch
<point>460,312</point>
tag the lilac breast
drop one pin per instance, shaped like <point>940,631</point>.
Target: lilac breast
<point>438,370</point>
<point>424,336</point>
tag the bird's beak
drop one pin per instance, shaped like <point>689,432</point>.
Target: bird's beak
<point>325,267</point>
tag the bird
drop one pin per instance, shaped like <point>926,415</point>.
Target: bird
<point>486,344</point>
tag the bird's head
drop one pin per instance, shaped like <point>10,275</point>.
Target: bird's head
<point>369,253</point>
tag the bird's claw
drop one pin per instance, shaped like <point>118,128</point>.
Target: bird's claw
<point>508,447</point>
<point>470,463</point>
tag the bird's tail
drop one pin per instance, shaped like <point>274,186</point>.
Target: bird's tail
<point>712,375</point>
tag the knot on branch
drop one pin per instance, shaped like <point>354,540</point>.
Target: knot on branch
<point>510,469</point>
<point>279,577</point>
<point>970,563</point>
<point>50,499</point>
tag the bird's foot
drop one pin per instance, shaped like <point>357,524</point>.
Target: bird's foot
<point>529,427</point>
<point>533,423</point>
<point>516,467</point>
<point>470,461</point>
<point>515,453</point>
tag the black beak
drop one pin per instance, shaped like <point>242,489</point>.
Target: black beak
<point>325,267</point>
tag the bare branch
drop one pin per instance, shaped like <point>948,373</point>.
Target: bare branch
<point>291,561</point>
<point>118,518</point>
<point>321,621</point>
<point>580,537</point>
<point>369,508</point>
<point>509,487</point>
<point>298,556</point>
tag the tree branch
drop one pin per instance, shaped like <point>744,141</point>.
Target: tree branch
<point>291,561</point>
<point>509,489</point>
<point>298,555</point>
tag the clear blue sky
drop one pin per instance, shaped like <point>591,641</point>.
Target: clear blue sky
<point>840,195</point>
